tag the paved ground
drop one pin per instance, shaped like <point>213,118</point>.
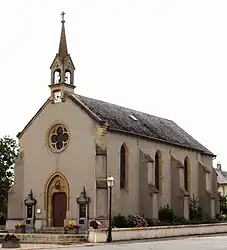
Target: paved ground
<point>195,243</point>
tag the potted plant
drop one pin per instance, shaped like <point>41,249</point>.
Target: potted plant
<point>10,241</point>
<point>95,224</point>
<point>72,228</point>
<point>20,228</point>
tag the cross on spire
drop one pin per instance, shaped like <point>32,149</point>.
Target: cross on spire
<point>63,14</point>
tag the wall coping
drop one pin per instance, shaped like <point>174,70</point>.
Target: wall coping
<point>159,227</point>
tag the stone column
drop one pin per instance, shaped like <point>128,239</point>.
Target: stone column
<point>155,197</point>
<point>186,207</point>
<point>101,198</point>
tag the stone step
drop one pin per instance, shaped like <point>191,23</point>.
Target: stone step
<point>57,230</point>
<point>41,238</point>
<point>52,230</point>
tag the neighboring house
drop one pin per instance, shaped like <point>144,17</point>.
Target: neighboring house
<point>74,142</point>
<point>222,180</point>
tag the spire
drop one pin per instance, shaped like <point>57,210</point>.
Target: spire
<point>62,70</point>
<point>63,45</point>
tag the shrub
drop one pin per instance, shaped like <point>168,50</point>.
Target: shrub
<point>2,219</point>
<point>221,217</point>
<point>137,221</point>
<point>152,222</point>
<point>165,213</point>
<point>223,205</point>
<point>11,238</point>
<point>119,221</point>
<point>195,211</point>
<point>181,221</point>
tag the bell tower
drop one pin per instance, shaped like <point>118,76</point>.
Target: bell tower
<point>62,70</point>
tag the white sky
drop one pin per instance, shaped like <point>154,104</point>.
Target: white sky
<point>167,58</point>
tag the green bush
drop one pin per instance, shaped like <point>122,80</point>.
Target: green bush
<point>180,221</point>
<point>221,217</point>
<point>195,211</point>
<point>119,221</point>
<point>2,219</point>
<point>165,213</point>
<point>152,222</point>
<point>11,238</point>
<point>223,205</point>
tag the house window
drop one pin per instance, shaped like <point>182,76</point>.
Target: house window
<point>186,174</point>
<point>157,170</point>
<point>123,166</point>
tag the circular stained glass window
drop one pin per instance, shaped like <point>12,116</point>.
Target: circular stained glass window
<point>58,138</point>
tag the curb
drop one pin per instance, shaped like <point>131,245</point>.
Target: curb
<point>53,246</point>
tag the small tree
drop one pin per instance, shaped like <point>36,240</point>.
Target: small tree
<point>8,152</point>
<point>195,211</point>
<point>223,204</point>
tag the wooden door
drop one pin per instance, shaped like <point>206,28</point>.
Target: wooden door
<point>59,207</point>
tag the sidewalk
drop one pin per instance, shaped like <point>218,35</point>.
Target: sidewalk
<point>51,246</point>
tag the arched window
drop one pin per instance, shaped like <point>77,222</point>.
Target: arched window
<point>186,174</point>
<point>157,170</point>
<point>123,166</point>
<point>67,77</point>
<point>57,76</point>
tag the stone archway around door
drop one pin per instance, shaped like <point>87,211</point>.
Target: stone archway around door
<point>57,194</point>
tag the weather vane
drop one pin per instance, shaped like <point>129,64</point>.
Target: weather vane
<point>63,14</point>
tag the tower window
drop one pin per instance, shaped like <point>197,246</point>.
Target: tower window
<point>123,166</point>
<point>57,96</point>
<point>157,170</point>
<point>57,76</point>
<point>67,77</point>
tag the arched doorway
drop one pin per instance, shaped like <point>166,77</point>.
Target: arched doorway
<point>57,195</point>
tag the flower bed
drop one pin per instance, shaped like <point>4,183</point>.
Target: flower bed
<point>167,218</point>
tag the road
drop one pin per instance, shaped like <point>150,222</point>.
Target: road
<point>195,243</point>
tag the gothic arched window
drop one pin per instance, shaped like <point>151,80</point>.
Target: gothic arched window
<point>67,77</point>
<point>57,76</point>
<point>157,169</point>
<point>123,166</point>
<point>186,174</point>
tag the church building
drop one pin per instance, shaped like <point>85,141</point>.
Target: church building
<point>73,143</point>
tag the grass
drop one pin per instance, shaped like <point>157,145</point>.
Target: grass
<point>2,227</point>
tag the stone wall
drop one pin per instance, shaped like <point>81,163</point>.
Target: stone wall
<point>125,234</point>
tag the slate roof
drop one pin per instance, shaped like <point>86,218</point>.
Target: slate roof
<point>145,125</point>
<point>221,177</point>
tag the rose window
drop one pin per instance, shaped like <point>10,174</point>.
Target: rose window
<point>58,138</point>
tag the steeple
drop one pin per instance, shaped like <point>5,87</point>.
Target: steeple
<point>62,69</point>
<point>63,51</point>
